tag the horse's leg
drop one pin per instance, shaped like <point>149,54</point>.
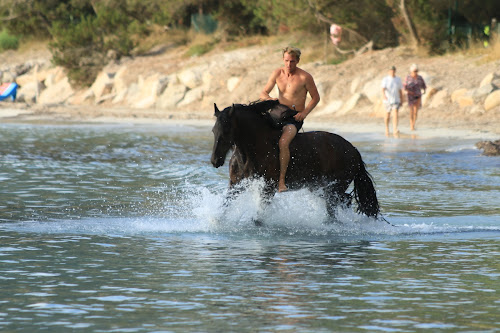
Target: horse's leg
<point>336,197</point>
<point>267,195</point>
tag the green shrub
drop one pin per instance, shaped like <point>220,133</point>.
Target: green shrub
<point>7,41</point>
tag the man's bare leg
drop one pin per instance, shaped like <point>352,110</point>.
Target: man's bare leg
<point>386,121</point>
<point>289,132</point>
<point>395,130</point>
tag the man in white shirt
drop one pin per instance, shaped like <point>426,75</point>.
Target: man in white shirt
<point>392,92</point>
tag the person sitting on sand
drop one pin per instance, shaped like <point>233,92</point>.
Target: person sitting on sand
<point>392,92</point>
<point>293,84</point>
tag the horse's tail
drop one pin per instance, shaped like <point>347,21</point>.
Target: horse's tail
<point>364,192</point>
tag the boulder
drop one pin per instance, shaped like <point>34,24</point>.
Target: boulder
<point>8,77</point>
<point>150,89</point>
<point>192,96</point>
<point>52,76</point>
<point>483,91</point>
<point>488,79</point>
<point>457,94</point>
<point>232,82</point>
<point>490,148</point>
<point>84,97</point>
<point>372,90</point>
<point>465,101</point>
<point>122,80</point>
<point>355,100</point>
<point>171,96</point>
<point>57,93</point>
<point>439,99</point>
<point>430,91</point>
<point>191,78</point>
<point>102,85</point>
<point>29,91</point>
<point>493,100</point>
<point>355,84</point>
<point>329,109</point>
<point>25,79</point>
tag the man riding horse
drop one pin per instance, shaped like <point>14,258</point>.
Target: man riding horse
<point>293,84</point>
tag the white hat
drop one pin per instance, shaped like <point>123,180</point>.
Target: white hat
<point>414,68</point>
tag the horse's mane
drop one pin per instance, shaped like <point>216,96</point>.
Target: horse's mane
<point>259,106</point>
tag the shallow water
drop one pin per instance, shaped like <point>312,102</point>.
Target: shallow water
<point>120,229</point>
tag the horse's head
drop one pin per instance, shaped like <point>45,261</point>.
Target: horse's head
<point>223,135</point>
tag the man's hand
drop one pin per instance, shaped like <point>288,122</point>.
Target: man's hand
<point>300,116</point>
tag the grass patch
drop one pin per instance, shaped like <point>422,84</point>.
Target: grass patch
<point>8,41</point>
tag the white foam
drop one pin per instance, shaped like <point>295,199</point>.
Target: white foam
<point>303,212</point>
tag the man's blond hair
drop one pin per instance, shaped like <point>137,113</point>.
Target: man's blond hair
<point>294,51</point>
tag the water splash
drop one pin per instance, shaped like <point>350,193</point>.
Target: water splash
<point>199,209</point>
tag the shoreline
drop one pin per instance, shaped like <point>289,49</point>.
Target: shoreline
<point>427,129</point>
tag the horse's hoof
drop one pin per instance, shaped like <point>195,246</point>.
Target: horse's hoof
<point>258,223</point>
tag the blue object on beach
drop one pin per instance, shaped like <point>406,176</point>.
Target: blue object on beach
<point>8,90</point>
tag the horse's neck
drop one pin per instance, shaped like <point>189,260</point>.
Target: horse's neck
<point>252,131</point>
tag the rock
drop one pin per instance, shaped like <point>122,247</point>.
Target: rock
<point>232,82</point>
<point>372,90</point>
<point>457,94</point>
<point>52,76</point>
<point>352,102</point>
<point>490,148</point>
<point>488,79</point>
<point>122,80</point>
<point>8,77</point>
<point>379,111</point>
<point>57,93</point>
<point>355,85</point>
<point>430,91</point>
<point>30,91</point>
<point>465,101</point>
<point>192,96</point>
<point>439,99</point>
<point>85,97</point>
<point>171,96</point>
<point>493,100</point>
<point>191,78</point>
<point>25,79</point>
<point>102,85</point>
<point>149,90</point>
<point>483,91</point>
<point>330,108</point>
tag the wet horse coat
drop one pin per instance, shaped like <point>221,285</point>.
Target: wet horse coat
<point>318,159</point>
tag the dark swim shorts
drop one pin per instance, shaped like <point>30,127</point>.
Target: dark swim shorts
<point>292,121</point>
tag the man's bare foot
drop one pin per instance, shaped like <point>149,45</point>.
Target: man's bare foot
<point>282,188</point>
<point>396,134</point>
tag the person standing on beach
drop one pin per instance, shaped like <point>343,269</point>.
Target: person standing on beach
<point>293,84</point>
<point>392,92</point>
<point>414,86</point>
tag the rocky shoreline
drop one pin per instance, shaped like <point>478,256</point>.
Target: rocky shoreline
<point>463,92</point>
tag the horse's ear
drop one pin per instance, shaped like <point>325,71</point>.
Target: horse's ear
<point>216,109</point>
<point>231,110</point>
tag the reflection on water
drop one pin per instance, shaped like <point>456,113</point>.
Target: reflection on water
<point>121,228</point>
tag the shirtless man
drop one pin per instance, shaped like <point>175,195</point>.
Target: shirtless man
<point>293,84</point>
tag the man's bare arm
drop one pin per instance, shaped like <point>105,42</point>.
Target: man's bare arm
<point>264,95</point>
<point>315,98</point>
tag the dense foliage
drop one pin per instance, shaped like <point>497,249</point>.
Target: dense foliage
<point>83,32</point>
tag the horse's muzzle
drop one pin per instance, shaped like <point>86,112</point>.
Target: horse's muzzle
<point>217,162</point>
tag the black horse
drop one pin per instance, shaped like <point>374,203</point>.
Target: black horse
<point>318,159</point>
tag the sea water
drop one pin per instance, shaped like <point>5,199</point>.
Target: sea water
<point>123,228</point>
